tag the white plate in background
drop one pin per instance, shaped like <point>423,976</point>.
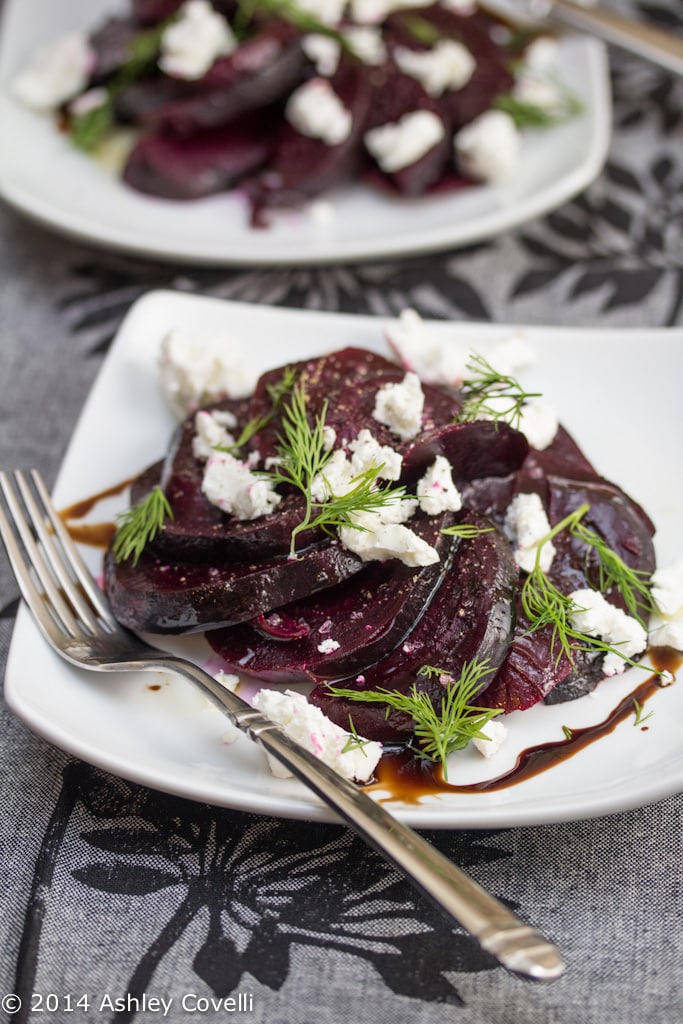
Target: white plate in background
<point>42,175</point>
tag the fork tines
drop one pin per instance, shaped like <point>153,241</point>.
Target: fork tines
<point>53,579</point>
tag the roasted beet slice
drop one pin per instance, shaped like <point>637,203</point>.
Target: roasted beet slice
<point>347,382</point>
<point>302,167</point>
<point>470,617</point>
<point>260,72</point>
<point>150,11</point>
<point>112,45</point>
<point>366,617</point>
<point>157,596</point>
<point>211,161</point>
<point>474,449</point>
<point>533,667</point>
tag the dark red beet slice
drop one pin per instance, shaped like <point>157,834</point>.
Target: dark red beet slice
<point>211,161</point>
<point>474,449</point>
<point>260,72</point>
<point>367,617</point>
<point>532,669</point>
<point>151,11</point>
<point>161,597</point>
<point>470,617</point>
<point>302,167</point>
<point>112,44</point>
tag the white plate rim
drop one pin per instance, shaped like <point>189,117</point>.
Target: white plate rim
<point>127,233</point>
<point>276,799</point>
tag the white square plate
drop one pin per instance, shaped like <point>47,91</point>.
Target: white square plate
<point>45,177</point>
<point>618,392</point>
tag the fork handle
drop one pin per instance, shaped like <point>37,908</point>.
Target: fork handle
<point>517,945</point>
<point>662,48</point>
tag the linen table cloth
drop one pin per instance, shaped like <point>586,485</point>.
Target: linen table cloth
<point>123,904</point>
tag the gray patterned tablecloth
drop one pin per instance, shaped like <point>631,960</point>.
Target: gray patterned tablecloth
<point>130,901</point>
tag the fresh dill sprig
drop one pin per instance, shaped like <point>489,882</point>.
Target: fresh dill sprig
<point>276,392</point>
<point>544,604</point>
<point>438,730</point>
<point>279,389</point>
<point>420,29</point>
<point>341,510</point>
<point>632,584</point>
<point>288,11</point>
<point>355,742</point>
<point>467,531</point>
<point>87,130</point>
<point>491,395</point>
<point>640,718</point>
<point>139,525</point>
<point>531,115</point>
<point>303,454</point>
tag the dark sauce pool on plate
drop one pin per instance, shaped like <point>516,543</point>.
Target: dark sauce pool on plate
<point>408,778</point>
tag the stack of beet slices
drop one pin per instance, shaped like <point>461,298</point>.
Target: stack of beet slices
<point>228,128</point>
<point>268,615</point>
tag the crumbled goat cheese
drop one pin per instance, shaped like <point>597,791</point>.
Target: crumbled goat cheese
<point>385,541</point>
<point>334,479</point>
<point>329,646</point>
<point>327,12</point>
<point>228,680</point>
<point>400,406</point>
<point>88,101</point>
<point>539,424</point>
<point>323,51</point>
<point>496,735</point>
<point>232,487</point>
<point>339,475</point>
<point>667,589</point>
<point>595,616</point>
<point>448,65</point>
<point>368,453</point>
<point>56,73</point>
<point>526,523</point>
<point>541,92</point>
<point>195,372</point>
<point>329,438</point>
<point>372,12</point>
<point>211,431</point>
<point>541,54</point>
<point>354,758</point>
<point>666,632</point>
<point>194,40</point>
<point>402,143</point>
<point>666,624</point>
<point>436,491</point>
<point>366,44</point>
<point>511,355</point>
<point>316,111</point>
<point>487,149</point>
<point>420,350</point>
<point>321,212</point>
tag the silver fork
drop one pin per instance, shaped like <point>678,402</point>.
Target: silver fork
<point>76,621</point>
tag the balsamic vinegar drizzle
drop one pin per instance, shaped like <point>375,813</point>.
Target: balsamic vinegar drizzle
<point>98,535</point>
<point>408,777</point>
